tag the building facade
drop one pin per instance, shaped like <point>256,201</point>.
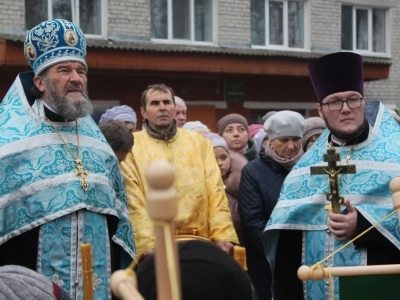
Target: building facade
<point>221,56</point>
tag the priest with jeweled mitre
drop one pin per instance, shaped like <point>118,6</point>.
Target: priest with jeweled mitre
<point>60,182</point>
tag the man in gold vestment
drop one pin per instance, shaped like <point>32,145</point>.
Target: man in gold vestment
<point>203,206</point>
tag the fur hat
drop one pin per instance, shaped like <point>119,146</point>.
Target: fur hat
<point>122,113</point>
<point>312,126</point>
<point>284,123</point>
<point>20,283</point>
<point>230,119</point>
<point>52,42</point>
<point>207,272</point>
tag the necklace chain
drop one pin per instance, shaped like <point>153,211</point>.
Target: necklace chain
<point>80,171</point>
<point>348,155</point>
<point>62,139</point>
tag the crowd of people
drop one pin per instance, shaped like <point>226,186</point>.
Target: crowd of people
<point>66,180</point>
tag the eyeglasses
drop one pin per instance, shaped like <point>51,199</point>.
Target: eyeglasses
<point>352,102</point>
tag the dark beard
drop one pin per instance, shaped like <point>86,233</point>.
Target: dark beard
<point>64,107</point>
<point>344,136</point>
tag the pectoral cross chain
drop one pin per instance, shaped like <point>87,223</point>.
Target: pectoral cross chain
<point>82,173</point>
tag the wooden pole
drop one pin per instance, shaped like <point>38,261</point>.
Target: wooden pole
<point>123,283</point>
<point>305,272</point>
<point>162,202</point>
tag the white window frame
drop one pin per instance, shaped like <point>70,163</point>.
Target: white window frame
<point>286,28</point>
<point>75,16</point>
<point>370,51</point>
<point>171,40</point>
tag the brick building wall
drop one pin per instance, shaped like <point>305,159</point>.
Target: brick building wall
<point>234,22</point>
<point>129,17</point>
<point>12,16</point>
<point>388,91</point>
<point>325,25</point>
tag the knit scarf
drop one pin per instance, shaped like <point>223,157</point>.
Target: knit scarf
<point>288,164</point>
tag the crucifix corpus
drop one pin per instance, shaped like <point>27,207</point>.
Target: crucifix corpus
<point>333,170</point>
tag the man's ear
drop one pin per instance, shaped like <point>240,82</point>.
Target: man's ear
<point>39,82</point>
<point>143,112</point>
<point>321,115</point>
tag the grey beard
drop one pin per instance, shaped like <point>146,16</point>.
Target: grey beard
<point>65,108</point>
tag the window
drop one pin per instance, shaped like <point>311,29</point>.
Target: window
<point>364,29</point>
<point>277,23</point>
<point>87,14</point>
<point>182,20</point>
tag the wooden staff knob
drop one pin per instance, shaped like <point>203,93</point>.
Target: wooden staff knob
<point>160,174</point>
<point>162,199</point>
<point>394,185</point>
<point>124,286</point>
<point>305,273</point>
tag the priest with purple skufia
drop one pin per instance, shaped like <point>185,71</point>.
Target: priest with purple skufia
<point>302,228</point>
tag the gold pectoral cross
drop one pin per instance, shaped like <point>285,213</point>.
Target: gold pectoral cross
<point>80,172</point>
<point>333,170</point>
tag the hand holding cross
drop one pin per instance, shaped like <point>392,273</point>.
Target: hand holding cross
<point>333,171</point>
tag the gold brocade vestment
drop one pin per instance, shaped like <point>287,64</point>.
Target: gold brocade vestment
<point>203,206</point>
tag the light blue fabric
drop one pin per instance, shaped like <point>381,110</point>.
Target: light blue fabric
<point>302,201</point>
<point>38,188</point>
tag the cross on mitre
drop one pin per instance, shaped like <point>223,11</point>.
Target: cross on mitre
<point>333,170</point>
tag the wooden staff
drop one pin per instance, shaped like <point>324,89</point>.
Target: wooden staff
<point>87,272</point>
<point>162,203</point>
<point>123,284</point>
<point>306,273</point>
<point>318,272</point>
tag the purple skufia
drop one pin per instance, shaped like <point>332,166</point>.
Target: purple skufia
<point>337,72</point>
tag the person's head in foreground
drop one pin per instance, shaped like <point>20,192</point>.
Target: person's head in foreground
<point>207,272</point>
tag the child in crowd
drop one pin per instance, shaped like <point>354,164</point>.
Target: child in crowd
<point>231,165</point>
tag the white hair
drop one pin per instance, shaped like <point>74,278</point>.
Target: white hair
<point>179,101</point>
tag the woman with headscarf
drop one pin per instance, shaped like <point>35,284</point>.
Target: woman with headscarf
<point>259,189</point>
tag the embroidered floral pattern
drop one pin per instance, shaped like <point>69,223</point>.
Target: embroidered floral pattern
<point>97,281</point>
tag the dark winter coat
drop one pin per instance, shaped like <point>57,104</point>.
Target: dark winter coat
<point>259,190</point>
